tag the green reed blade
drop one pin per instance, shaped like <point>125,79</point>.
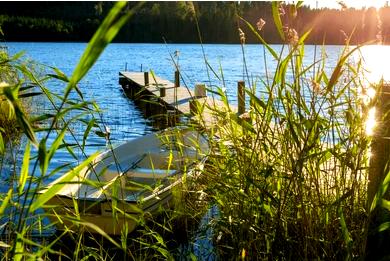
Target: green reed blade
<point>24,171</point>
<point>277,20</point>
<point>6,200</point>
<point>2,145</point>
<point>269,48</point>
<point>60,183</point>
<point>103,36</point>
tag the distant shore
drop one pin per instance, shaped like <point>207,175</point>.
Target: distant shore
<point>174,22</point>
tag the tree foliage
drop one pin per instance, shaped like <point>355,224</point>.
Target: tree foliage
<point>175,22</point>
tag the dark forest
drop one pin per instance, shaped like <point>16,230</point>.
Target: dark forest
<point>175,22</point>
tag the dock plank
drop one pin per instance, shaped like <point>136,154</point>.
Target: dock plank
<point>177,97</point>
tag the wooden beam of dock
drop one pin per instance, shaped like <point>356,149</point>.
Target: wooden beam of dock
<point>176,98</point>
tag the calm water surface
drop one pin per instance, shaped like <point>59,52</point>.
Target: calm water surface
<point>119,113</point>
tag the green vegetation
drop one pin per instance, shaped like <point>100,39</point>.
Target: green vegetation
<point>288,179</point>
<point>7,116</point>
<point>36,29</point>
<point>21,224</point>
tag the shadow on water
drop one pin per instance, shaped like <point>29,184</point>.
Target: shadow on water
<point>187,238</point>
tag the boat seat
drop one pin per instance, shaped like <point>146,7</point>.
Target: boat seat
<point>149,173</point>
<point>139,173</point>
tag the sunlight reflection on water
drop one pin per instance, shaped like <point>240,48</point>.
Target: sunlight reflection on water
<point>375,63</point>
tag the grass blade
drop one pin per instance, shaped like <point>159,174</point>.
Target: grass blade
<point>59,184</point>
<point>103,36</point>
<point>277,20</point>
<point>273,53</point>
<point>2,145</point>
<point>5,202</point>
<point>24,170</point>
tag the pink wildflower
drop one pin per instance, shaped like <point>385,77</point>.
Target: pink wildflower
<point>291,36</point>
<point>281,10</point>
<point>260,24</point>
<point>242,36</point>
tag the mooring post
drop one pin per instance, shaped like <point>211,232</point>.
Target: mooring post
<point>200,90</point>
<point>171,118</point>
<point>162,91</point>
<point>146,78</point>
<point>194,106</point>
<point>129,91</point>
<point>241,97</point>
<point>377,242</point>
<point>177,78</point>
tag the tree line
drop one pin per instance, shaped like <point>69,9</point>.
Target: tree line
<point>178,22</point>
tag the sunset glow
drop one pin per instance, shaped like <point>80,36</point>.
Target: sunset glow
<point>357,4</point>
<point>375,61</point>
<point>371,122</point>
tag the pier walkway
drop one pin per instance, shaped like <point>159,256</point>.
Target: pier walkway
<point>166,102</point>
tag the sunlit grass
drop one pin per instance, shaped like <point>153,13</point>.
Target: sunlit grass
<point>291,181</point>
<point>288,180</point>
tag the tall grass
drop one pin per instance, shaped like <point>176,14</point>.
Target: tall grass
<point>22,219</point>
<point>289,177</point>
<point>25,232</point>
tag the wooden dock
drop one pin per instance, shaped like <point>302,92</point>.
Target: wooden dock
<point>167,103</point>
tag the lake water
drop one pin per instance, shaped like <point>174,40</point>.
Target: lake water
<point>122,116</point>
<point>119,113</point>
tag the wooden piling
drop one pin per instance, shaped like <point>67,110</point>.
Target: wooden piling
<point>194,107</point>
<point>241,97</point>
<point>177,78</point>
<point>172,118</point>
<point>377,242</point>
<point>146,78</point>
<point>162,91</point>
<point>200,90</point>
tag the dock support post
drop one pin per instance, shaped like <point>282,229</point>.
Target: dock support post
<point>146,78</point>
<point>171,118</point>
<point>162,91</point>
<point>194,106</point>
<point>377,242</point>
<point>241,97</point>
<point>200,90</point>
<point>129,91</point>
<point>177,78</point>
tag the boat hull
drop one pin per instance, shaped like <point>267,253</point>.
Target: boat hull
<point>100,215</point>
<point>125,184</point>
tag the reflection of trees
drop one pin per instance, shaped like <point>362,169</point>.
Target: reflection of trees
<point>175,22</point>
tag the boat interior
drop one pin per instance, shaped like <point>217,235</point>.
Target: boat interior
<point>155,167</point>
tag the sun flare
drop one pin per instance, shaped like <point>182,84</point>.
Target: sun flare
<point>375,61</point>
<point>349,3</point>
<point>371,122</point>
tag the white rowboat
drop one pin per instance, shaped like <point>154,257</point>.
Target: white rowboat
<point>133,178</point>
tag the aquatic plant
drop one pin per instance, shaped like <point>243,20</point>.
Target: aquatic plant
<point>289,177</point>
<point>23,224</point>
